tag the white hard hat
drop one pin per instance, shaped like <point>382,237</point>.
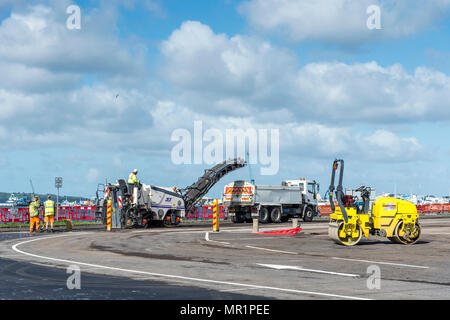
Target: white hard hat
<point>135,171</point>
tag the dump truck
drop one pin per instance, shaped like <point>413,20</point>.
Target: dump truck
<point>140,205</point>
<point>293,198</point>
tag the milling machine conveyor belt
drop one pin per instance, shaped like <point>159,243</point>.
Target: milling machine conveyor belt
<point>196,191</point>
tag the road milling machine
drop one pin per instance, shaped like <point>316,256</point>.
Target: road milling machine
<point>139,205</point>
<point>395,219</point>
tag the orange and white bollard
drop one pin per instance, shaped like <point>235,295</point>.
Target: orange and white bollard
<point>108,216</point>
<point>216,216</point>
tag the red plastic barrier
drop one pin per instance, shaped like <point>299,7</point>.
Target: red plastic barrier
<point>205,212</point>
<point>191,215</point>
<point>288,232</point>
<point>436,207</point>
<point>23,214</point>
<point>4,215</point>
<point>325,210</point>
<point>419,208</point>
<point>427,208</point>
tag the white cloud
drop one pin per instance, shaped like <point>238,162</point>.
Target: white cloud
<point>384,145</point>
<point>51,87</point>
<point>342,22</point>
<point>320,141</point>
<point>368,92</point>
<point>228,82</point>
<point>249,77</point>
<point>38,37</point>
<point>224,69</point>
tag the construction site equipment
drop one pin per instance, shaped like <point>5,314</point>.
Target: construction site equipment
<point>395,219</point>
<point>140,204</point>
<point>292,199</point>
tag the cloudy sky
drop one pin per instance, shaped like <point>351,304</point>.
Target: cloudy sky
<point>94,103</point>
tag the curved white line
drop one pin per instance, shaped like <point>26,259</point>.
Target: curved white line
<point>15,248</point>
<point>209,240</point>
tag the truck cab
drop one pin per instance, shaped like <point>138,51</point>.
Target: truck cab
<point>309,188</point>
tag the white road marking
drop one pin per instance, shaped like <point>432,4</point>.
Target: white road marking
<point>273,250</point>
<point>434,221</point>
<point>436,233</point>
<point>261,238</point>
<point>242,289</point>
<point>280,267</point>
<point>207,239</point>
<point>237,284</point>
<point>10,255</point>
<point>169,231</point>
<point>379,262</point>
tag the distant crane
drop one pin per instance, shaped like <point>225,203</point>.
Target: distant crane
<point>252,181</point>
<point>32,187</point>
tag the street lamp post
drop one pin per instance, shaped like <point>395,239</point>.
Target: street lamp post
<point>58,184</point>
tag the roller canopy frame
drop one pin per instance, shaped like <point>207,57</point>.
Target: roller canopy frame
<point>338,163</point>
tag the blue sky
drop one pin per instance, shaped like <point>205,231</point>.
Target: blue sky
<point>380,99</point>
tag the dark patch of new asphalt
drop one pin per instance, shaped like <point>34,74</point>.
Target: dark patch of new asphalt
<point>27,281</point>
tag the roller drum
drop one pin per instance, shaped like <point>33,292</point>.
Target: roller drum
<point>333,233</point>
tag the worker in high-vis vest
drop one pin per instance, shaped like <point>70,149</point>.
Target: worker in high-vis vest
<point>49,212</point>
<point>34,206</point>
<point>132,180</point>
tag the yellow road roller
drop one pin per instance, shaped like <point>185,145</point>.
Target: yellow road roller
<point>395,219</point>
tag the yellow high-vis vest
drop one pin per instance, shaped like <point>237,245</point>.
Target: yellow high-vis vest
<point>49,208</point>
<point>132,178</point>
<point>34,208</point>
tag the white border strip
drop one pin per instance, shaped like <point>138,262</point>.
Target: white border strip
<point>15,248</point>
<point>387,263</point>
<point>273,250</point>
<point>295,268</point>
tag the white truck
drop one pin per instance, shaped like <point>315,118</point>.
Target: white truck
<point>293,198</point>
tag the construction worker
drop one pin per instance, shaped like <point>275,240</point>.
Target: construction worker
<point>34,206</point>
<point>49,213</point>
<point>132,180</point>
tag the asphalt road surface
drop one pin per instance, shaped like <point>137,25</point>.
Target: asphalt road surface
<point>194,263</point>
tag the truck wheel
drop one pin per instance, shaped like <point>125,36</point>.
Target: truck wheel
<point>275,215</point>
<point>237,219</point>
<point>263,215</point>
<point>309,215</point>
